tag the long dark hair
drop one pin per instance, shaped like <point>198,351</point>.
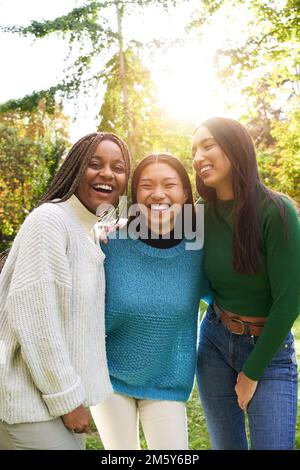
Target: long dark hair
<point>174,163</point>
<point>238,146</point>
<point>67,179</point>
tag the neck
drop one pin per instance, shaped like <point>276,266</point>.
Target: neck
<point>225,193</point>
<point>86,217</point>
<point>160,240</point>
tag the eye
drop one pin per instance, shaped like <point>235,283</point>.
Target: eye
<point>208,147</point>
<point>145,186</point>
<point>94,165</point>
<point>170,185</point>
<point>119,169</point>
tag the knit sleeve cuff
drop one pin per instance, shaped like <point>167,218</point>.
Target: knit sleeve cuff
<point>63,402</point>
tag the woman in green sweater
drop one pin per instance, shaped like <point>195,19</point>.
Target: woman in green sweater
<point>246,356</point>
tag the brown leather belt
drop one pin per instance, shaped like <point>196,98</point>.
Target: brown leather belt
<point>237,326</point>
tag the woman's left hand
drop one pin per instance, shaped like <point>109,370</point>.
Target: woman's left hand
<point>103,234</point>
<point>245,389</point>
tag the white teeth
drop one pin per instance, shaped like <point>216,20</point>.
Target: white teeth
<point>103,186</point>
<point>206,168</point>
<point>159,207</point>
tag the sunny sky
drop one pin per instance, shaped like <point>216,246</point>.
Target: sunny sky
<point>184,75</point>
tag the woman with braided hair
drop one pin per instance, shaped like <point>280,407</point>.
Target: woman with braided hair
<point>52,339</point>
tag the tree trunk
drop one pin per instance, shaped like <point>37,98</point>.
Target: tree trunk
<point>126,108</point>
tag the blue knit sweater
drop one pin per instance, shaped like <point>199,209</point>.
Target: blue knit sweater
<point>152,300</point>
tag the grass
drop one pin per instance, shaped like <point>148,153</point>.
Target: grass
<point>198,435</point>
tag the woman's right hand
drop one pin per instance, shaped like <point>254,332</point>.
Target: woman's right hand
<point>77,420</point>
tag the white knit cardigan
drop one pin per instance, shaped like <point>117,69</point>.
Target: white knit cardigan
<point>52,338</point>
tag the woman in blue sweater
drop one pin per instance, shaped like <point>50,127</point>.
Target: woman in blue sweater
<point>154,284</point>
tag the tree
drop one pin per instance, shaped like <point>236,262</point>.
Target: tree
<point>129,107</point>
<point>31,147</point>
<point>152,129</point>
<point>87,30</point>
<point>143,116</point>
<point>263,65</point>
<point>287,151</point>
<point>266,62</point>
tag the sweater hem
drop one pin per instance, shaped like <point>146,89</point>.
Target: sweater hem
<point>150,394</point>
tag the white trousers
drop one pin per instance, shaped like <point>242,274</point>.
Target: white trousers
<point>164,423</point>
<point>45,435</point>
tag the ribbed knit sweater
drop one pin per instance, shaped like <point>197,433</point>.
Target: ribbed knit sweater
<point>152,301</point>
<point>52,340</point>
<point>274,292</point>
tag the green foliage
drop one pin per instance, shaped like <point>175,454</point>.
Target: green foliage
<point>33,131</point>
<point>264,67</point>
<point>30,103</point>
<point>147,127</point>
<point>287,151</point>
<point>87,30</point>
<point>269,57</point>
<point>31,147</point>
<point>29,150</point>
<point>83,21</point>
<point>80,21</point>
<point>142,120</point>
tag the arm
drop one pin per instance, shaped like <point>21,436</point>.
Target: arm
<point>206,294</point>
<point>37,304</point>
<point>284,273</point>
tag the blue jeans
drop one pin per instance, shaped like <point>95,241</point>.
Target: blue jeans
<point>273,409</point>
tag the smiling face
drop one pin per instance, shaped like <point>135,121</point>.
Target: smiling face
<point>211,163</point>
<point>161,194</point>
<point>105,178</point>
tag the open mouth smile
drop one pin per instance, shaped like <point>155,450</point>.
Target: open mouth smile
<point>205,169</point>
<point>103,188</point>
<point>159,207</point>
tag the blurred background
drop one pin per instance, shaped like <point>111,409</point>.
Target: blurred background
<point>150,71</point>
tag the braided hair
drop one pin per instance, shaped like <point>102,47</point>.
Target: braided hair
<point>66,181</point>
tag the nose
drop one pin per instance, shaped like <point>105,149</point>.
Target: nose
<point>198,159</point>
<point>157,194</point>
<point>106,172</point>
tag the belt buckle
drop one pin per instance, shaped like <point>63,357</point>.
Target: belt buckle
<point>242,323</point>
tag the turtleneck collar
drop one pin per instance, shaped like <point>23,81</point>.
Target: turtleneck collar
<point>87,218</point>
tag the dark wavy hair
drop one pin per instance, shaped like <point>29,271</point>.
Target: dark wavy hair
<point>238,146</point>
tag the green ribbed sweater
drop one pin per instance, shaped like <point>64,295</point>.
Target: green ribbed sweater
<point>274,292</point>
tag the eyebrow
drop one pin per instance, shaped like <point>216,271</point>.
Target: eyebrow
<point>98,157</point>
<point>206,140</point>
<point>202,142</point>
<point>166,178</point>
